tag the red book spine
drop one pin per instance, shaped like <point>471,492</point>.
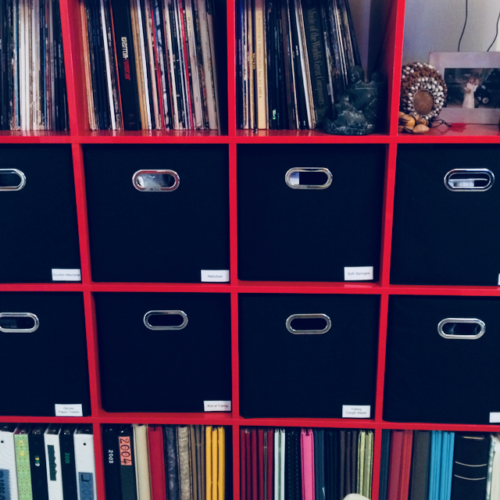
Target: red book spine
<point>261,463</point>
<point>249,463</point>
<point>255,474</point>
<point>395,465</point>
<point>404,487</point>
<point>243,471</point>
<point>270,463</point>
<point>157,462</point>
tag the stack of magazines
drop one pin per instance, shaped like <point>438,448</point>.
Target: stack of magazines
<point>293,60</point>
<point>32,77</point>
<point>150,64</point>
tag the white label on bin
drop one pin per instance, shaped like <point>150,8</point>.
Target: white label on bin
<point>499,280</point>
<point>217,405</point>
<point>220,276</point>
<point>358,273</point>
<point>69,411</point>
<point>66,275</point>
<point>349,411</point>
<point>495,417</point>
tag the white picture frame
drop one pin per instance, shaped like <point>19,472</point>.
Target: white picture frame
<point>467,60</point>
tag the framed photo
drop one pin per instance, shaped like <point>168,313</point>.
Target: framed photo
<point>473,81</point>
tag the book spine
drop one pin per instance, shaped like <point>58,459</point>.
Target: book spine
<point>107,64</point>
<point>111,462</point>
<point>38,465</point>
<point>316,55</point>
<point>68,468</point>
<point>201,68</point>
<point>163,61</point>
<point>260,41</point>
<point>171,65</point>
<point>127,465</point>
<point>144,64</point>
<point>149,42</point>
<point>157,462</point>
<point>193,63</point>
<point>158,69</point>
<point>23,467</point>
<point>186,63</point>
<point>304,61</point>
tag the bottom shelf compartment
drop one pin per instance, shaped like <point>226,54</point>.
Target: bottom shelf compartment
<point>43,461</point>
<point>144,462</point>
<point>303,464</point>
<point>439,465</point>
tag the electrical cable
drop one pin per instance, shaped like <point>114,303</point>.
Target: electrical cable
<point>465,23</point>
<point>496,35</point>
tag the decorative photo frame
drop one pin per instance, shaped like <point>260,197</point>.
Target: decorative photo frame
<point>473,81</point>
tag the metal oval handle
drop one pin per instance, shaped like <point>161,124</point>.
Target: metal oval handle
<point>467,183</point>
<point>13,171</point>
<point>308,316</point>
<point>291,184</point>
<point>473,321</point>
<point>183,325</point>
<point>34,317</point>
<point>150,180</point>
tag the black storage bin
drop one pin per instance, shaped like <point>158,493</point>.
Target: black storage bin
<point>431,378</point>
<point>44,354</point>
<point>37,214</point>
<point>157,236</point>
<point>294,234</point>
<point>163,370</point>
<point>445,217</point>
<point>284,374</point>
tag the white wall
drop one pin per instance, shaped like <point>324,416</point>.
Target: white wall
<point>436,25</point>
<point>369,17</point>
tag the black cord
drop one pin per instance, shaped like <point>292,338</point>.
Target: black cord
<point>496,35</point>
<point>465,23</point>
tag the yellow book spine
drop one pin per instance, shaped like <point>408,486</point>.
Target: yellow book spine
<point>208,447</point>
<point>214,464</point>
<point>261,64</point>
<point>222,463</point>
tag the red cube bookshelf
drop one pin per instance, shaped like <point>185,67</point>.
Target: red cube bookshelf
<point>80,135</point>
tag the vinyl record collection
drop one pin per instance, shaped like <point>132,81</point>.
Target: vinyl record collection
<point>150,64</point>
<point>305,464</point>
<point>437,465</point>
<point>41,462</point>
<point>158,462</point>
<point>32,75</point>
<point>293,58</point>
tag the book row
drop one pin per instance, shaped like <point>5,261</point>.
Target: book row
<point>40,462</point>
<point>437,465</point>
<point>305,464</point>
<point>158,462</point>
<point>32,73</point>
<point>150,64</point>
<point>293,58</point>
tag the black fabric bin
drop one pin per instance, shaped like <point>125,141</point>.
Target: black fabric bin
<point>148,236</point>
<point>443,236</point>
<point>431,378</point>
<point>45,366</point>
<point>283,374</point>
<point>290,234</point>
<point>144,370</point>
<point>38,220</point>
